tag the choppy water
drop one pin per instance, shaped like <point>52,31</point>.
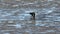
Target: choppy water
<point>15,17</point>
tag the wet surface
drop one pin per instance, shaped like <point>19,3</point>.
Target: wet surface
<point>15,17</point>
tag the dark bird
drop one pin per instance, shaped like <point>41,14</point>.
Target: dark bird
<point>33,15</point>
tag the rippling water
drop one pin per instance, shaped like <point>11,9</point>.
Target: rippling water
<point>15,17</point>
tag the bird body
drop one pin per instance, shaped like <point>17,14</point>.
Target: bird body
<point>33,15</point>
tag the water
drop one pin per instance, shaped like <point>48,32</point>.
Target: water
<point>15,17</point>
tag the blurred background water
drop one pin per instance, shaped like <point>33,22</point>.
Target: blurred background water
<point>15,17</point>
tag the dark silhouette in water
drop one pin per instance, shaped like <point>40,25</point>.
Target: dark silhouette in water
<point>33,15</point>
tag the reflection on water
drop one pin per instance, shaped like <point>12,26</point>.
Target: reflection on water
<point>15,17</point>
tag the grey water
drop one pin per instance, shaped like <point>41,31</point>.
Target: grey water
<point>15,17</point>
